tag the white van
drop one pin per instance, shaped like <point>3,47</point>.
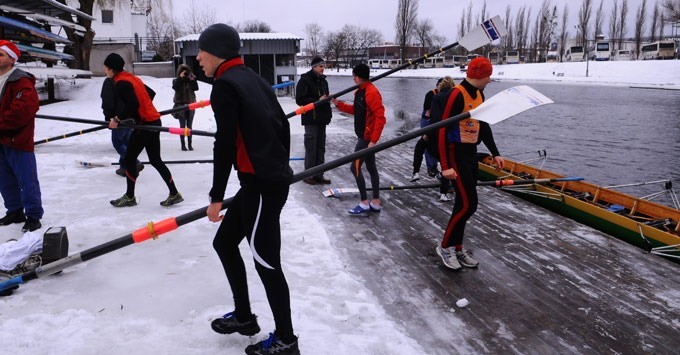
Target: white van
<point>623,54</point>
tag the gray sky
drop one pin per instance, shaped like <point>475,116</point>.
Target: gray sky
<point>292,16</point>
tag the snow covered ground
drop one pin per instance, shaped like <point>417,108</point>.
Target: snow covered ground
<point>158,297</point>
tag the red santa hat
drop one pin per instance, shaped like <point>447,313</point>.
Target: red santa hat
<point>11,49</point>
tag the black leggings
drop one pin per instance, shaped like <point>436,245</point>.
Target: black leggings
<point>465,202</point>
<point>372,170</point>
<point>149,140</point>
<point>186,119</point>
<point>254,214</point>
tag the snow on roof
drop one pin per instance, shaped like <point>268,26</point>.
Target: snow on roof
<point>249,36</point>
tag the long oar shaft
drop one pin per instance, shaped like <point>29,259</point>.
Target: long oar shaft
<point>67,135</point>
<point>153,230</point>
<point>410,62</point>
<point>173,130</point>
<point>509,182</point>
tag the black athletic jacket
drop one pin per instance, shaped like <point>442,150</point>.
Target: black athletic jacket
<point>253,134</point>
<point>310,88</point>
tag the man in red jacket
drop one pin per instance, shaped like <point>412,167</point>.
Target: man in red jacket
<point>369,120</point>
<point>18,169</point>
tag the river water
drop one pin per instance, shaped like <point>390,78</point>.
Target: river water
<point>610,135</point>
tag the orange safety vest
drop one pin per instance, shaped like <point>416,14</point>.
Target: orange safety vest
<point>147,112</point>
<point>467,130</point>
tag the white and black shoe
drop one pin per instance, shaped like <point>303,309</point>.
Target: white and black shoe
<point>444,198</point>
<point>415,177</point>
<point>465,258</point>
<point>449,258</point>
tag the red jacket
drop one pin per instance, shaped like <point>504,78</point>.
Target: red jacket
<point>369,117</point>
<point>18,105</point>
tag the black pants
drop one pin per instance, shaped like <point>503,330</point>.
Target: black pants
<point>186,119</point>
<point>372,170</point>
<point>315,146</point>
<point>254,214</point>
<point>140,140</point>
<point>465,202</point>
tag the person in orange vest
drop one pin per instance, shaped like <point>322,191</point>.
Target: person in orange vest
<point>133,101</point>
<point>458,156</point>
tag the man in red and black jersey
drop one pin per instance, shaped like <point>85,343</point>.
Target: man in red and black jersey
<point>253,136</point>
<point>133,101</point>
<point>458,156</point>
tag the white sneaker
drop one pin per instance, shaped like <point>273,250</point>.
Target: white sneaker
<point>415,177</point>
<point>444,198</point>
<point>449,258</point>
<point>465,258</point>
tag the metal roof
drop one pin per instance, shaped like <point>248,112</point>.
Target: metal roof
<point>45,7</point>
<point>248,36</point>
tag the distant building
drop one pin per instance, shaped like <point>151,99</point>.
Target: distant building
<point>272,55</point>
<point>392,51</point>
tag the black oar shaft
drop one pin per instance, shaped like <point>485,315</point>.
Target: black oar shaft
<point>72,134</point>
<point>372,79</point>
<point>173,130</point>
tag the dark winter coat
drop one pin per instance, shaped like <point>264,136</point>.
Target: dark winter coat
<point>18,105</point>
<point>310,88</point>
<point>185,87</point>
<point>253,133</point>
<point>108,96</point>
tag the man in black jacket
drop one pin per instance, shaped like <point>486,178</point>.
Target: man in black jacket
<point>313,87</point>
<point>253,135</point>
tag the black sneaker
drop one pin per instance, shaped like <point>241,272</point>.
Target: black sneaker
<point>13,217</point>
<point>273,346</point>
<point>31,225</point>
<point>124,201</point>
<point>120,172</point>
<point>172,200</point>
<point>140,167</point>
<point>229,324</point>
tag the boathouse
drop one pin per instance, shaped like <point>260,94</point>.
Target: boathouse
<point>272,55</point>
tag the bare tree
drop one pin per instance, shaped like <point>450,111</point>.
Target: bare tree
<point>672,10</point>
<point>640,19</point>
<point>196,19</point>
<point>254,26</point>
<point>507,41</point>
<point>423,33</point>
<point>314,38</point>
<point>584,14</point>
<point>334,46</point>
<point>614,24</point>
<point>655,22</point>
<point>522,28</point>
<point>161,30</point>
<point>546,22</point>
<point>407,14</point>
<point>599,16</point>
<point>564,31</point>
<point>622,22</point>
<point>366,39</point>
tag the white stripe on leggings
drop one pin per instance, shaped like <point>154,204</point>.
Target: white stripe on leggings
<point>257,256</point>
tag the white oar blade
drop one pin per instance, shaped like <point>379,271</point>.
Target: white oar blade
<point>483,34</point>
<point>339,191</point>
<point>508,103</point>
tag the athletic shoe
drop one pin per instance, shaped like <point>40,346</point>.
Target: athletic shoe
<point>310,181</point>
<point>448,257</point>
<point>229,324</point>
<point>415,177</point>
<point>140,167</point>
<point>13,217</point>
<point>322,180</point>
<point>273,345</point>
<point>444,198</point>
<point>374,208</point>
<point>172,200</point>
<point>359,209</point>
<point>124,201</point>
<point>465,258</point>
<point>31,225</point>
<point>120,172</point>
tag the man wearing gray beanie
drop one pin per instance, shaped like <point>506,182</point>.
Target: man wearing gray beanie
<point>253,136</point>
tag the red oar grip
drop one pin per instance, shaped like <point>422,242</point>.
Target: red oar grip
<point>153,230</point>
<point>186,131</point>
<point>199,104</point>
<point>305,108</point>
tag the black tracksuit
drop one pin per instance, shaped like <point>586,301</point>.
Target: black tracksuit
<point>252,135</point>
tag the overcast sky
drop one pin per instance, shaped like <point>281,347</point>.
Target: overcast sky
<point>292,16</point>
